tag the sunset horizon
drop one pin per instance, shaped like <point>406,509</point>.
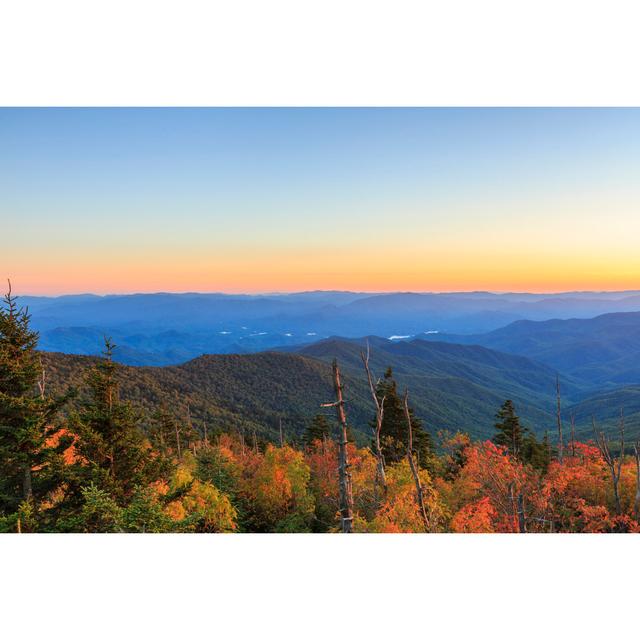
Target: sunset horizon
<point>263,200</point>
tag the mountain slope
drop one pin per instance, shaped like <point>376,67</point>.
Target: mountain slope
<point>454,386</point>
<point>228,391</point>
<point>451,386</point>
<point>601,351</point>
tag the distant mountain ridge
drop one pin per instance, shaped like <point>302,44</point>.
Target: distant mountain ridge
<point>601,351</point>
<point>167,328</point>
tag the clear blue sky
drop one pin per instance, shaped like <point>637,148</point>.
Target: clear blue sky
<point>113,200</point>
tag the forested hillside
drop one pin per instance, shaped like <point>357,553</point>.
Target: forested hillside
<point>228,392</point>
<point>454,387</point>
<point>600,356</point>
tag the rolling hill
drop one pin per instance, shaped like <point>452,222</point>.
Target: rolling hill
<point>451,386</point>
<point>600,351</point>
<point>600,355</point>
<point>454,386</point>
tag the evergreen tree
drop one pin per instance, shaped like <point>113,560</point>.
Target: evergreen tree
<point>116,457</point>
<point>394,432</point>
<point>537,454</point>
<point>319,429</point>
<point>28,464</point>
<point>510,431</point>
<point>166,432</point>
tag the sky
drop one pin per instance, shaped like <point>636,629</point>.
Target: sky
<point>264,200</point>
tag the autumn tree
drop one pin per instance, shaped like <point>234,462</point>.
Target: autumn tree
<point>197,505</point>
<point>613,462</point>
<point>488,487</point>
<point>276,494</point>
<point>399,512</point>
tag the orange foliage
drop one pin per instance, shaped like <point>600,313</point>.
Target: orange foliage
<point>277,489</point>
<point>491,474</point>
<point>399,512</point>
<point>322,458</point>
<point>475,517</point>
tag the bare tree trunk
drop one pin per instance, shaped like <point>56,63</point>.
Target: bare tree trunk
<point>281,437</point>
<point>178,439</point>
<point>573,435</point>
<point>559,420</point>
<point>206,436</point>
<point>190,430</point>
<point>379,406</point>
<point>412,464</point>
<point>344,476</point>
<point>636,504</point>
<point>42,382</point>
<point>522,521</point>
<point>615,465</point>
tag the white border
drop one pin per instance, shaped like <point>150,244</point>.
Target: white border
<point>330,52</point>
<point>318,586</point>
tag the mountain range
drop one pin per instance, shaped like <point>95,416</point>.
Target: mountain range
<point>166,328</point>
<point>267,358</point>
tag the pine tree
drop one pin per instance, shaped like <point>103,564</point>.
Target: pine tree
<point>535,453</point>
<point>166,432</point>
<point>510,432</point>
<point>116,456</point>
<point>28,465</point>
<point>393,434</point>
<point>319,429</point>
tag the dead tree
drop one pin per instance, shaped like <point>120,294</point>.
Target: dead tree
<point>522,520</point>
<point>559,420</point>
<point>573,435</point>
<point>412,464</point>
<point>636,504</point>
<point>379,405</point>
<point>344,475</point>
<point>242,451</point>
<point>177,428</point>
<point>42,382</point>
<point>615,465</point>
<point>281,436</point>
